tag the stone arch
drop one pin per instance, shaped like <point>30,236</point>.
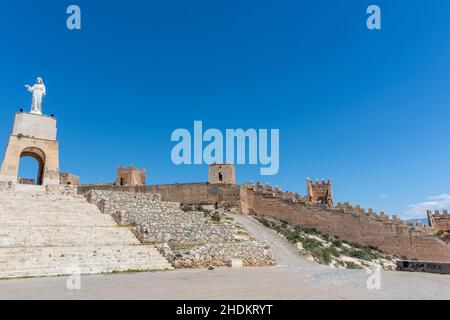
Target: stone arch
<point>33,135</point>
<point>40,157</point>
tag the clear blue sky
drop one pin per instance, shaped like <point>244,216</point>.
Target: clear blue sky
<point>368,109</point>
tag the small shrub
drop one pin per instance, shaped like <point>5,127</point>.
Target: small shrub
<point>321,254</point>
<point>362,254</point>
<point>337,243</point>
<point>199,207</point>
<point>186,208</point>
<point>334,251</point>
<point>215,217</point>
<point>352,265</point>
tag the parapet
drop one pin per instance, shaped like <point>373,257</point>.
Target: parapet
<point>320,192</point>
<point>439,222</point>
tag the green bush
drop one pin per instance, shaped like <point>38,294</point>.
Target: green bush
<point>352,265</point>
<point>321,254</point>
<point>215,217</point>
<point>334,251</point>
<point>186,208</point>
<point>337,243</point>
<point>199,208</point>
<point>362,254</point>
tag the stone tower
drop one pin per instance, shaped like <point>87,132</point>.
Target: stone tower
<point>221,174</point>
<point>33,135</point>
<point>320,192</point>
<point>130,177</point>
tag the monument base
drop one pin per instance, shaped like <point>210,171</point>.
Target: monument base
<point>32,136</point>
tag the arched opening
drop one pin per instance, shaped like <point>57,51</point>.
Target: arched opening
<point>31,166</point>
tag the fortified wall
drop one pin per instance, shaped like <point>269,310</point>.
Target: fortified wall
<point>347,222</point>
<point>439,222</point>
<point>186,193</point>
<point>315,210</point>
<point>220,189</point>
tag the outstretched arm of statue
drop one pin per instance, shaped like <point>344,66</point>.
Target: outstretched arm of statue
<point>29,88</point>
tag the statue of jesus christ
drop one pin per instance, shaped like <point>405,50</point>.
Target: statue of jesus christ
<point>38,91</point>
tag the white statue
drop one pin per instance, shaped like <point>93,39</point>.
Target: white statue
<point>38,91</point>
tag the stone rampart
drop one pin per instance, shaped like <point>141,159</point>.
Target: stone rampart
<point>347,222</point>
<point>186,193</point>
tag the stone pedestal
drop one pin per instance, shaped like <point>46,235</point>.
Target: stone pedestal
<point>35,136</point>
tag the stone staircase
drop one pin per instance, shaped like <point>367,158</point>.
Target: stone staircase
<point>45,234</point>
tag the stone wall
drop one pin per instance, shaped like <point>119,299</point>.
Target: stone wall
<point>347,222</point>
<point>70,190</point>
<point>252,253</point>
<point>69,179</point>
<point>156,221</point>
<point>187,193</point>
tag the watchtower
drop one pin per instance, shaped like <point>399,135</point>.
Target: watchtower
<point>320,192</point>
<point>221,174</point>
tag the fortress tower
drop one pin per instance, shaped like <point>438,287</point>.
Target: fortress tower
<point>439,222</point>
<point>221,174</point>
<point>33,135</point>
<point>320,192</point>
<point>130,177</point>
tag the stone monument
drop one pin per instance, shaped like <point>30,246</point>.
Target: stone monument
<point>39,92</point>
<point>33,135</point>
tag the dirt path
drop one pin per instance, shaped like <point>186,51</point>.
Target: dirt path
<point>284,253</point>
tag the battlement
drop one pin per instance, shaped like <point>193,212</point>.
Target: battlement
<point>345,208</point>
<point>439,222</point>
<point>437,213</point>
<point>348,222</point>
<point>320,192</point>
<point>275,192</point>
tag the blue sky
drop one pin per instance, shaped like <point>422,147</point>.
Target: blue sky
<point>368,109</point>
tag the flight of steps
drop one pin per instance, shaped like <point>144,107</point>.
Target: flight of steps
<point>47,235</point>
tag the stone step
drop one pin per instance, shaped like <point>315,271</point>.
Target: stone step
<point>12,236</point>
<point>56,219</point>
<point>48,261</point>
<point>45,234</point>
<point>27,188</point>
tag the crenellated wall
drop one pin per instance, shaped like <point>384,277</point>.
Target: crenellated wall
<point>347,222</point>
<point>439,222</point>
<point>187,193</point>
